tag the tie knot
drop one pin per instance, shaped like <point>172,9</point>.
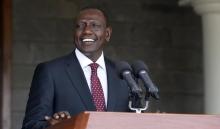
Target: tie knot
<point>94,67</point>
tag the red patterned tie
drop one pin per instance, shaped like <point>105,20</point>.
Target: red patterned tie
<point>96,88</point>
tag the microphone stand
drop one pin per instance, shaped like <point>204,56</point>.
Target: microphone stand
<point>138,102</point>
<point>138,109</point>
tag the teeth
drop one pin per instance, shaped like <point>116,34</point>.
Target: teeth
<point>88,40</point>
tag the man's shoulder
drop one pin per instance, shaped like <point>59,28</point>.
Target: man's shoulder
<point>110,62</point>
<point>59,61</point>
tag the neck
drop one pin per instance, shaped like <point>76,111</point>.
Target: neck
<point>93,57</point>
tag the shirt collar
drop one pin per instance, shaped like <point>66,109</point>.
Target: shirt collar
<point>85,61</point>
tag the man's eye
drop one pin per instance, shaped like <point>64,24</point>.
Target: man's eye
<point>96,25</point>
<point>79,26</point>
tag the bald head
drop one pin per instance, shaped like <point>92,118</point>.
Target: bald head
<point>99,9</point>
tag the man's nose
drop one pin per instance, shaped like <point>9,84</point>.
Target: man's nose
<point>87,30</point>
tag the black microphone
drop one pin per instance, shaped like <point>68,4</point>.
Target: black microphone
<point>124,70</point>
<point>140,71</point>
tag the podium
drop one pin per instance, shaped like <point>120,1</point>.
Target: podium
<point>115,120</point>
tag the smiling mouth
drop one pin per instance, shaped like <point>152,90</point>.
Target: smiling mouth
<point>88,40</point>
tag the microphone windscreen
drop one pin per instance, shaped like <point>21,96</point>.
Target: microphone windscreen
<point>121,67</point>
<point>138,66</point>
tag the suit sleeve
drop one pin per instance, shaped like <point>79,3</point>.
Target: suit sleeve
<point>40,101</point>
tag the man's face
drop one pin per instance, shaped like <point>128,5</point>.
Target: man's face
<point>91,33</point>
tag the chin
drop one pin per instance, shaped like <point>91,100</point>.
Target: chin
<point>88,52</point>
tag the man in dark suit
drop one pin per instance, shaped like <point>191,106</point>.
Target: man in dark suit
<point>62,87</point>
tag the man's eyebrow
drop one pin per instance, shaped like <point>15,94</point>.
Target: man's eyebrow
<point>95,20</point>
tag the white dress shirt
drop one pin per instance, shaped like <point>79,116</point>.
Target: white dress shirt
<point>101,71</point>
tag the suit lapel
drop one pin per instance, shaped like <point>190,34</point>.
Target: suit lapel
<point>79,82</point>
<point>77,77</point>
<point>112,86</point>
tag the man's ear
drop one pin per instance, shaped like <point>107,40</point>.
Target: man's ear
<point>108,33</point>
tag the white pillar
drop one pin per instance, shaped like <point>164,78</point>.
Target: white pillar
<point>210,12</point>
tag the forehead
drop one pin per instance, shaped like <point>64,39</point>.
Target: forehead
<point>91,14</point>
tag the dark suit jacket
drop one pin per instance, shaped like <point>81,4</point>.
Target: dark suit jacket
<point>60,85</point>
